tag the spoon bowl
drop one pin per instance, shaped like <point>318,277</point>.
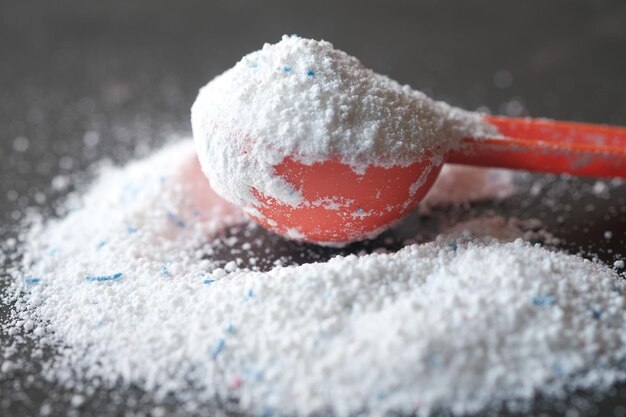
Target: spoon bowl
<point>341,205</point>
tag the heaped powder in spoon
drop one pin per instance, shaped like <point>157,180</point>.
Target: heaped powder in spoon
<point>126,290</point>
<point>303,99</point>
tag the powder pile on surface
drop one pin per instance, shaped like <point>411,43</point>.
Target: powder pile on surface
<point>304,99</point>
<point>125,285</point>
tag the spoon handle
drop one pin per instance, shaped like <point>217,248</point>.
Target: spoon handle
<point>543,145</point>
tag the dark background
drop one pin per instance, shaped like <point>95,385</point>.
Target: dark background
<point>86,80</point>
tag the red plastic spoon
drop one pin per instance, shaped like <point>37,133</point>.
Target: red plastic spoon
<point>342,206</point>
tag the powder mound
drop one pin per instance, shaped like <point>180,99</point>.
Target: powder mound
<point>304,99</point>
<point>125,289</point>
<point>142,219</point>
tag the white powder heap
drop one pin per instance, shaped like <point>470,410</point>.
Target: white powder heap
<point>303,99</point>
<point>123,284</point>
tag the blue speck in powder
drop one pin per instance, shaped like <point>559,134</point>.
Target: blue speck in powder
<point>101,244</point>
<point>101,278</point>
<point>250,293</point>
<point>208,281</point>
<point>219,347</point>
<point>287,68</point>
<point>230,329</point>
<point>164,271</point>
<point>178,222</point>
<point>546,300</point>
<point>131,230</point>
<point>453,246</point>
<point>267,411</point>
<point>597,314</point>
<point>310,73</point>
<point>32,280</point>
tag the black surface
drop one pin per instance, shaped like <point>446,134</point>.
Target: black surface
<point>130,71</point>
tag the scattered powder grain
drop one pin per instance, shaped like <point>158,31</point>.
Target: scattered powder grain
<point>125,286</point>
